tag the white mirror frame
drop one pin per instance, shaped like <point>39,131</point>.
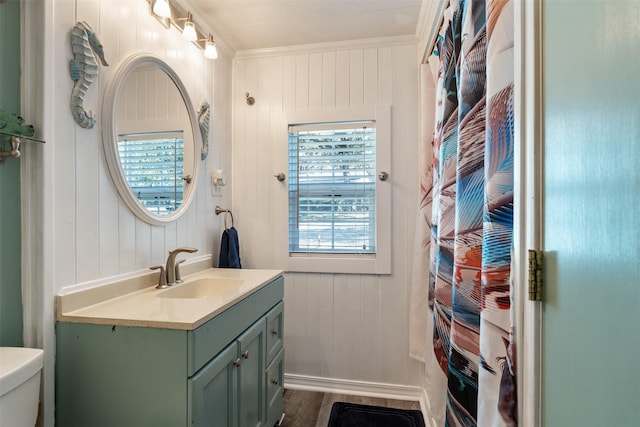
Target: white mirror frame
<point>109,133</point>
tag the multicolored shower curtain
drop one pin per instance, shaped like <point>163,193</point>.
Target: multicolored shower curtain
<point>472,373</point>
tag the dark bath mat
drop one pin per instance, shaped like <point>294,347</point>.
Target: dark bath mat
<point>354,415</point>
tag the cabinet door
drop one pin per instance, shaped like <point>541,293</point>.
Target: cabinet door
<point>275,331</point>
<point>275,389</point>
<point>212,392</point>
<point>251,384</point>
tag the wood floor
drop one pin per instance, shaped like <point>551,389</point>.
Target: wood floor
<point>312,409</point>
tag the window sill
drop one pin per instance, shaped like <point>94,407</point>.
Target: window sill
<point>343,264</point>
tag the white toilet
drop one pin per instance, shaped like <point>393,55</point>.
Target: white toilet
<point>19,385</point>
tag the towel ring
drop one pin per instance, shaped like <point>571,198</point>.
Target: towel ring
<point>225,219</point>
<point>220,210</point>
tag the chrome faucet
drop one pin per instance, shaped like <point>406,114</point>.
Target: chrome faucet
<point>171,266</point>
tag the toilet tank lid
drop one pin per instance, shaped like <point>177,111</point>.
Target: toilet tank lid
<point>17,365</point>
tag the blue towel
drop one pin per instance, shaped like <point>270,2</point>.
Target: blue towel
<point>229,249</point>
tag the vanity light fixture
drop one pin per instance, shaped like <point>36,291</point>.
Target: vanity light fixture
<point>210,50</point>
<point>189,30</point>
<point>162,8</point>
<point>170,14</point>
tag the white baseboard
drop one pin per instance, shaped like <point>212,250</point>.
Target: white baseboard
<point>360,388</point>
<point>424,407</point>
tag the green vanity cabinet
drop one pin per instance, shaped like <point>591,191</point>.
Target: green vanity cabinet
<point>229,390</point>
<point>251,376</point>
<point>213,391</point>
<point>227,372</point>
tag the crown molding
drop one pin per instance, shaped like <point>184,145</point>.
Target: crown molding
<point>318,47</point>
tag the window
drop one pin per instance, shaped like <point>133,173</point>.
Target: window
<point>153,164</point>
<point>332,188</point>
<point>338,210</point>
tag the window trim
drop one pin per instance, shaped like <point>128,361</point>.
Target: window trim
<point>380,262</point>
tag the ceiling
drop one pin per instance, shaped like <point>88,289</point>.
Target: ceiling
<point>261,24</point>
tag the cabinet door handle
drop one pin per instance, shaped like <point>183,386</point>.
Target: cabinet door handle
<point>237,362</point>
<point>274,332</point>
<point>274,382</point>
<point>245,355</point>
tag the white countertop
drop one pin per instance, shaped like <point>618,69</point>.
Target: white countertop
<point>132,303</point>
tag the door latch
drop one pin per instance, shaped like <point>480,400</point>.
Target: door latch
<point>536,258</point>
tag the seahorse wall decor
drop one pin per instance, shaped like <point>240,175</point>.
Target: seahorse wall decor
<point>84,68</point>
<point>203,120</point>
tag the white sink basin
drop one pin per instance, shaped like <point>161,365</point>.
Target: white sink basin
<point>202,288</point>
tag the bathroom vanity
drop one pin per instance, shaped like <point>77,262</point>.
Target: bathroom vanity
<point>208,352</point>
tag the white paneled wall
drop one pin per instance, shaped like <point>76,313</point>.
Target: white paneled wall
<point>96,236</point>
<point>87,233</point>
<point>337,326</point>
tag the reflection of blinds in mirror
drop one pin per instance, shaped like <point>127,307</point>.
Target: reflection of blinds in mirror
<point>153,164</point>
<point>332,187</point>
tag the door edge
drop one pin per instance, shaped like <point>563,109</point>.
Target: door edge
<point>528,203</point>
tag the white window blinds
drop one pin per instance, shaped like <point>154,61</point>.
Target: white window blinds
<point>153,166</point>
<point>332,188</point>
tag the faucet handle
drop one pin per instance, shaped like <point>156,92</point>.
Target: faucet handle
<point>162,280</point>
<point>178,278</point>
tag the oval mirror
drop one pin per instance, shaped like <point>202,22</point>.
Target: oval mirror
<point>151,139</point>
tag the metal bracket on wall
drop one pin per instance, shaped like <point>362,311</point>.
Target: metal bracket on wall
<point>536,259</point>
<point>13,141</point>
<point>12,133</point>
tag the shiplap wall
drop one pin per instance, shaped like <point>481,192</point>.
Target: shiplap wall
<point>151,102</point>
<point>150,97</point>
<point>337,326</point>
<point>85,233</point>
<point>96,235</point>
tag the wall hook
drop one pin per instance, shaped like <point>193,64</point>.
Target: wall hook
<point>14,151</point>
<point>250,99</point>
<point>13,132</point>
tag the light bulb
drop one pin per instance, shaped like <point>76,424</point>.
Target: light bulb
<point>162,8</point>
<point>210,50</point>
<point>189,32</point>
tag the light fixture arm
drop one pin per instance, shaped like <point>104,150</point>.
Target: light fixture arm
<point>187,18</point>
